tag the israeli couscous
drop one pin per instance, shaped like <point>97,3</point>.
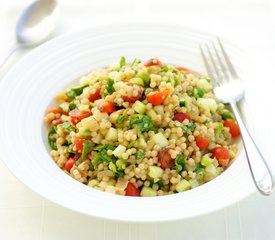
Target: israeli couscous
<point>141,129</point>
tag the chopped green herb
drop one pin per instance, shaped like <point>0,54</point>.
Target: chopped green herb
<point>72,105</point>
<point>131,144</point>
<point>136,61</point>
<point>75,92</point>
<point>165,68</point>
<point>183,103</point>
<point>146,78</point>
<point>140,154</point>
<point>99,147</point>
<point>68,127</point>
<point>121,119</point>
<point>199,169</point>
<point>119,173</point>
<point>51,138</point>
<point>228,115</point>
<point>110,87</point>
<point>189,93</point>
<point>97,160</point>
<point>179,163</point>
<point>143,122</point>
<point>187,129</point>
<point>87,147</point>
<point>122,62</point>
<point>199,93</point>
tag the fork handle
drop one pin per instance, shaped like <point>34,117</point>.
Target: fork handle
<point>260,172</point>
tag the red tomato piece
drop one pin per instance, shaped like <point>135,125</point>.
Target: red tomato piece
<point>107,107</point>
<point>79,144</point>
<point>69,164</point>
<point>132,99</point>
<point>183,69</point>
<point>165,159</point>
<point>132,190</point>
<point>56,109</point>
<point>157,97</point>
<point>77,116</point>
<point>233,127</point>
<point>153,62</point>
<point>95,96</point>
<point>202,142</point>
<point>179,116</point>
<point>222,155</point>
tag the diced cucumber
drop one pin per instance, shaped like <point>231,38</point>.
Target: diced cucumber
<point>210,172</point>
<point>112,134</point>
<point>203,83</point>
<point>151,113</point>
<point>139,107</point>
<point>92,183</point>
<point>100,115</point>
<point>89,123</point>
<point>84,132</point>
<point>142,143</point>
<point>64,106</point>
<point>160,140</point>
<point>207,104</point>
<point>148,192</point>
<point>137,81</point>
<point>84,107</point>
<point>168,80</point>
<point>84,81</point>
<point>183,185</point>
<point>112,167</point>
<point>194,183</point>
<point>119,150</point>
<point>115,115</point>
<point>120,163</point>
<point>206,160</point>
<point>159,109</point>
<point>155,172</point>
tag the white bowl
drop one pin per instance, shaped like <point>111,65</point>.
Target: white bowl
<point>30,86</point>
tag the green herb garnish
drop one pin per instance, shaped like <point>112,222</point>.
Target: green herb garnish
<point>87,147</point>
<point>143,122</point>
<point>179,163</point>
<point>110,87</point>
<point>52,138</point>
<point>75,92</point>
<point>122,62</point>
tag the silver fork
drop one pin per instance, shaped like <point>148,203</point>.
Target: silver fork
<point>229,89</point>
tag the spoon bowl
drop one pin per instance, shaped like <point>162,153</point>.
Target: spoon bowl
<point>35,25</point>
<point>37,22</point>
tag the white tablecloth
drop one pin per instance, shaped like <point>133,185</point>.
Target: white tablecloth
<point>25,215</point>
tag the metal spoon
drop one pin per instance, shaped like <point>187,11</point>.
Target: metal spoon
<point>35,24</point>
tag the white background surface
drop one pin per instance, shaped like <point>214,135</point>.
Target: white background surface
<point>25,215</point>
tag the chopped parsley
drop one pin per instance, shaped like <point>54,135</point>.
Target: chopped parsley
<point>52,138</point>
<point>143,122</point>
<point>87,147</point>
<point>179,163</point>
<point>75,92</point>
<point>110,87</point>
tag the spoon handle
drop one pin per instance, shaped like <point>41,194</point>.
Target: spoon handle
<point>8,54</point>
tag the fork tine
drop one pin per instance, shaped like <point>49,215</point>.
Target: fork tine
<point>227,60</point>
<point>224,70</point>
<point>207,66</point>
<point>219,77</point>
